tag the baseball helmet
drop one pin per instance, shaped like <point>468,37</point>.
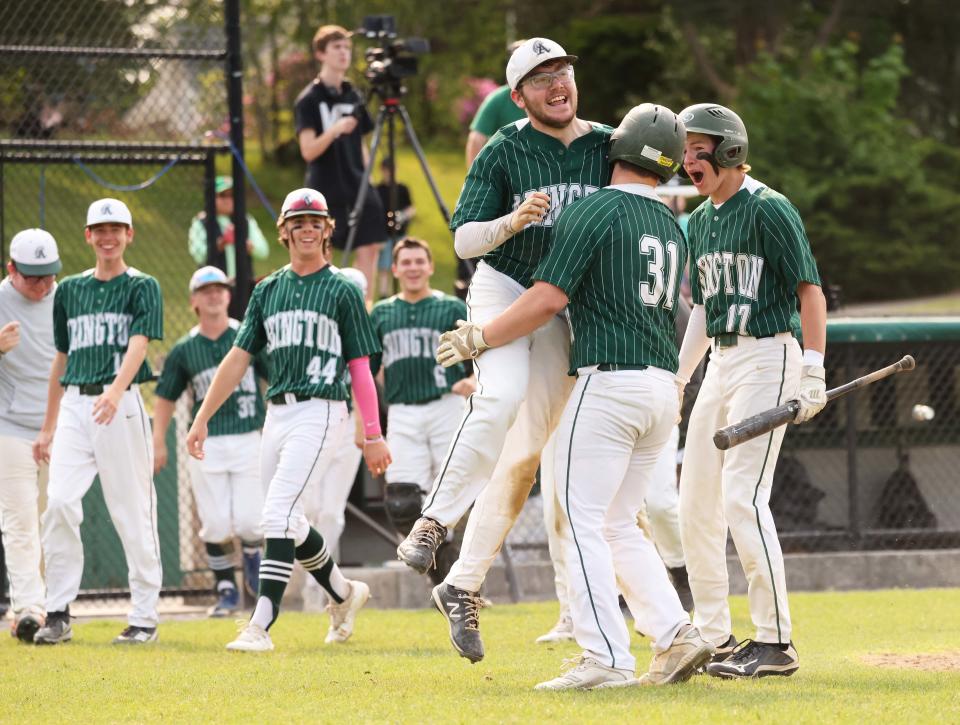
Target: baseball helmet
<point>723,124</point>
<point>650,137</point>
<point>303,202</point>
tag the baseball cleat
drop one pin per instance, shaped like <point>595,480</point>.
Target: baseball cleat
<point>26,625</point>
<point>688,652</point>
<point>418,550</point>
<point>462,610</point>
<point>252,638</point>
<point>343,615</point>
<point>136,635</point>
<point>723,651</point>
<point>757,659</point>
<point>562,631</point>
<point>678,576</point>
<point>56,630</point>
<point>228,603</point>
<point>586,673</point>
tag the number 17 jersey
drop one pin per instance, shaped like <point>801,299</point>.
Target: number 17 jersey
<point>310,327</point>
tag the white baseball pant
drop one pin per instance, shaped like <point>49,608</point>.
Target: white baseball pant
<point>418,437</point>
<point>21,481</point>
<point>732,488</point>
<point>122,453</point>
<point>663,504</point>
<point>227,488</point>
<point>296,451</point>
<point>613,428</point>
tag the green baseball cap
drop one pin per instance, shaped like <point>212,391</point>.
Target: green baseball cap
<point>222,184</point>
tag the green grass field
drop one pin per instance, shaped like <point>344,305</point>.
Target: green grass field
<point>399,667</point>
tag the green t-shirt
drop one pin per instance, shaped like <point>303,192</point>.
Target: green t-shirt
<point>310,326</point>
<point>496,111</point>
<point>747,258</point>
<point>619,255</point>
<point>93,322</point>
<point>515,163</point>
<point>409,334</point>
<point>192,362</point>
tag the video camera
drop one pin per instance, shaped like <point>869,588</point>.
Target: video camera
<point>393,59</point>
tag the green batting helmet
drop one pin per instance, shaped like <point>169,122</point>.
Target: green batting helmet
<point>723,124</point>
<point>650,137</point>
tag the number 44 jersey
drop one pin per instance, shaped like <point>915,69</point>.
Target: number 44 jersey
<point>192,363</point>
<point>310,327</point>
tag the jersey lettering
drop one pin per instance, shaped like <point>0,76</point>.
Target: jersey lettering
<point>201,382</point>
<point>716,272</point>
<point>110,328</point>
<point>561,196</point>
<point>302,328</point>
<point>409,342</point>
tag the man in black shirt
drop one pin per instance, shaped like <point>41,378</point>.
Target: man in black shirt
<point>331,121</point>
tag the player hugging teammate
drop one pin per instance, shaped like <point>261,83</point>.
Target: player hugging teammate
<point>313,324</point>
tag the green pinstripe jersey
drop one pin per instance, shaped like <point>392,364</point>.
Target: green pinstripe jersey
<point>409,334</point>
<point>747,258</point>
<point>192,362</point>
<point>518,161</point>
<point>310,327</point>
<point>93,322</point>
<point>619,255</point>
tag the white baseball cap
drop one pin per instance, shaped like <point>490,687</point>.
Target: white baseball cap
<point>34,253</point>
<point>206,276</point>
<point>531,54</point>
<point>104,211</point>
<point>357,277</point>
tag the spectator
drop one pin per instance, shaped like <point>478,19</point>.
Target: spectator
<point>398,220</point>
<point>331,121</point>
<point>26,354</point>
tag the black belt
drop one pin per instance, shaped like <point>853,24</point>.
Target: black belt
<point>614,367</point>
<point>730,339</point>
<point>281,398</point>
<point>93,388</point>
<point>424,402</point>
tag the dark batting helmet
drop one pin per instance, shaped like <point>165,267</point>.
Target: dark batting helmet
<point>650,137</point>
<point>724,125</point>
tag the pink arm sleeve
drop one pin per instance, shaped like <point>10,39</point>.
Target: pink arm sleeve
<point>365,393</point>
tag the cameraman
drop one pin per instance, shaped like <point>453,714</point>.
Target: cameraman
<point>331,120</point>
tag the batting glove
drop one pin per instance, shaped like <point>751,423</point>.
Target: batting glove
<point>812,395</point>
<point>464,343</point>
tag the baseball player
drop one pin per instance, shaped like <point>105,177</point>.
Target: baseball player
<point>751,266</point>
<point>313,324</point>
<point>226,483</point>
<point>426,401</point>
<point>96,424</point>
<point>516,187</point>
<point>616,258</point>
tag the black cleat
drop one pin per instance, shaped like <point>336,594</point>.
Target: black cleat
<point>723,651</point>
<point>462,610</point>
<point>136,635</point>
<point>757,659</point>
<point>678,575</point>
<point>56,630</point>
<point>418,550</point>
<point>26,626</point>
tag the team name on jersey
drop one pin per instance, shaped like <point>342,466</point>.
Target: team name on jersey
<point>561,196</point>
<point>110,328</point>
<point>729,273</point>
<point>305,328</point>
<point>409,342</point>
<point>201,382</point>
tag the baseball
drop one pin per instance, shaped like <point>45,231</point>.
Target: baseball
<point>922,412</point>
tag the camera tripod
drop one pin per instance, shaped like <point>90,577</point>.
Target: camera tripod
<point>390,108</point>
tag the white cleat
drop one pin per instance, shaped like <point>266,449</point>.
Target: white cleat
<point>252,638</point>
<point>585,673</point>
<point>562,632</point>
<point>342,616</point>
<point>688,652</point>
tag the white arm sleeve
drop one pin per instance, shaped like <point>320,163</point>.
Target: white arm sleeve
<point>695,343</point>
<point>474,239</point>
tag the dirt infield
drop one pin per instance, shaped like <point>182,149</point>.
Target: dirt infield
<point>939,662</point>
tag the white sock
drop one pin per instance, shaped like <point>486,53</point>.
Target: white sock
<point>263,614</point>
<point>339,583</point>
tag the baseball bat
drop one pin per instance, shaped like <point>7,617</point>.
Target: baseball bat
<point>757,425</point>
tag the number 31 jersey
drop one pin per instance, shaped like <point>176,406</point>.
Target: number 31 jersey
<point>310,327</point>
<point>192,363</point>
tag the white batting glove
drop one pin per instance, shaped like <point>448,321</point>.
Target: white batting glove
<point>464,343</point>
<point>812,395</point>
<point>531,211</point>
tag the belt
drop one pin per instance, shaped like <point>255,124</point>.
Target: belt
<point>424,402</point>
<point>614,367</point>
<point>730,339</point>
<point>92,388</point>
<point>289,398</point>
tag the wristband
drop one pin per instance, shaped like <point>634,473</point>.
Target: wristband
<point>375,439</point>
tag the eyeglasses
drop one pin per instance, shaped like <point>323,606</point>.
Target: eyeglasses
<point>541,81</point>
<point>34,279</point>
